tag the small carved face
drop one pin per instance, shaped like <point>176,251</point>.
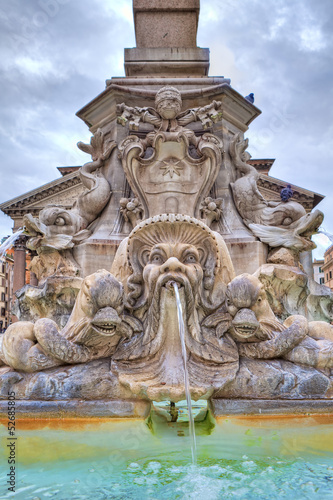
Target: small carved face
<point>246,301</point>
<point>168,108</point>
<point>59,220</point>
<point>173,262</point>
<point>97,317</point>
<point>101,300</point>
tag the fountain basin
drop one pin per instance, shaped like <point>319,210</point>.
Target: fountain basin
<point>241,457</point>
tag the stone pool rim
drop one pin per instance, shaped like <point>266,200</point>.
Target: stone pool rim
<point>140,409</point>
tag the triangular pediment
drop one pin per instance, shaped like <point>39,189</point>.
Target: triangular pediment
<point>62,191</point>
<point>270,188</point>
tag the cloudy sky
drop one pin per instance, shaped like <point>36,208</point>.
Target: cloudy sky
<point>57,54</point>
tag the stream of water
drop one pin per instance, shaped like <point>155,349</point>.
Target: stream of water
<point>321,230</point>
<point>186,379</point>
<point>9,242</point>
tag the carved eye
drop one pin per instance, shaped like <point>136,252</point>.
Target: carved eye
<point>190,259</point>
<point>259,299</point>
<point>156,259</point>
<point>60,221</point>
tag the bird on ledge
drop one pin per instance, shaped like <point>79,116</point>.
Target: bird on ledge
<point>286,193</point>
<point>250,98</point>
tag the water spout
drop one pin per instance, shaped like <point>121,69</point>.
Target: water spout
<point>328,235</point>
<point>186,379</point>
<point>9,242</point>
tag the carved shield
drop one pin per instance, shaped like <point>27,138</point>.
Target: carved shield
<point>170,180</point>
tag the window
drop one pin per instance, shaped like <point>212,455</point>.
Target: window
<point>3,298</point>
<point>330,274</point>
<point>321,280</point>
<point>3,311</point>
<point>326,276</point>
<point>320,271</point>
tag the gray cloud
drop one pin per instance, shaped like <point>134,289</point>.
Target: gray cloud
<point>56,54</point>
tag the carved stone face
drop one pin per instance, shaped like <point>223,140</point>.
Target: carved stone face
<point>98,309</point>
<point>52,221</point>
<point>59,220</point>
<point>168,108</point>
<point>168,103</point>
<point>253,318</point>
<point>172,262</point>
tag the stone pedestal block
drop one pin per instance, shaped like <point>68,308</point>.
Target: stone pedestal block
<point>164,62</point>
<point>96,254</point>
<point>246,256</point>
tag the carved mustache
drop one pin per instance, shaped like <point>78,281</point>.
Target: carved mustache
<point>179,279</point>
<point>155,299</point>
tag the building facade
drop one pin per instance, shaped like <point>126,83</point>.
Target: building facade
<point>6,289</point>
<point>318,273</point>
<point>327,268</point>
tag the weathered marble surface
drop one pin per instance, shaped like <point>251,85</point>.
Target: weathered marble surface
<point>161,250</point>
<point>258,379</point>
<point>130,318</point>
<point>243,406</point>
<point>79,408</point>
<point>94,330</point>
<point>277,379</point>
<point>85,381</point>
<point>291,291</point>
<point>54,299</point>
<point>259,335</point>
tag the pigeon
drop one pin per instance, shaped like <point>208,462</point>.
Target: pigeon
<point>250,98</point>
<point>286,193</point>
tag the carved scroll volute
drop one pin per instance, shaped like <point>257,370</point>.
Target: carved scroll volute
<point>170,180</point>
<point>131,150</point>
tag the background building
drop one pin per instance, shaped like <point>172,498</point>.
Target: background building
<point>9,283</point>
<point>318,273</point>
<point>6,288</point>
<point>327,268</point>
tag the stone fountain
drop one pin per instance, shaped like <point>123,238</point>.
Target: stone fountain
<point>170,198</point>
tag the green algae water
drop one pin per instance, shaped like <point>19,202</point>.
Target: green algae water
<point>242,458</point>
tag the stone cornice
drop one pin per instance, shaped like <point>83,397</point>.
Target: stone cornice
<point>68,170</point>
<point>23,203</point>
<point>262,165</point>
<point>235,108</point>
<point>308,199</point>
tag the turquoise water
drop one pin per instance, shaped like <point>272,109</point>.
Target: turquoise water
<point>242,458</point>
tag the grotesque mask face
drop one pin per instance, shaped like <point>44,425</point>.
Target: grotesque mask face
<point>168,103</point>
<point>168,109</point>
<point>170,248</point>
<point>253,318</point>
<point>101,300</point>
<point>167,263</point>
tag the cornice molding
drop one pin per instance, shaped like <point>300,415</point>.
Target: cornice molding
<point>308,199</point>
<point>21,203</point>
